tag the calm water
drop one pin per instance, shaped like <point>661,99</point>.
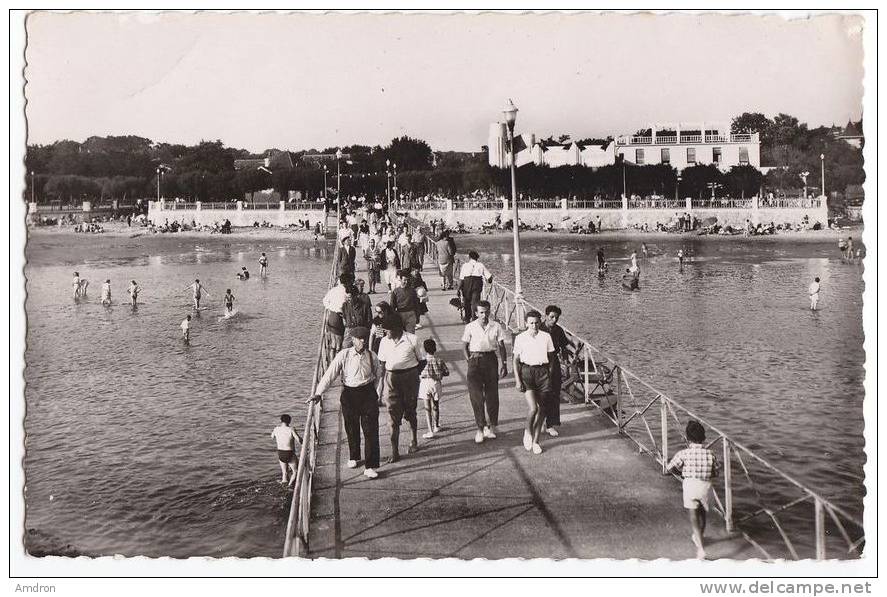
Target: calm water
<point>137,444</point>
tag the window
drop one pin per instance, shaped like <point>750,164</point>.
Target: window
<point>638,156</point>
<point>666,156</point>
<point>743,156</point>
<point>691,155</point>
<point>716,155</point>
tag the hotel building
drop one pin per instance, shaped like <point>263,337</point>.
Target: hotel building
<point>680,145</point>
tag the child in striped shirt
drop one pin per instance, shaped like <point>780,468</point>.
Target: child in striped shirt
<point>430,387</point>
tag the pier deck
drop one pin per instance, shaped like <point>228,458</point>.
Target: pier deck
<point>590,494</point>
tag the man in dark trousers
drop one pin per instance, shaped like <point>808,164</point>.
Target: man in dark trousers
<point>471,283</point>
<point>345,257</point>
<point>446,257</point>
<point>482,338</point>
<point>358,368</point>
<point>551,403</point>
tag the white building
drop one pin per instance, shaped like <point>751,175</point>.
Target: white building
<point>679,144</point>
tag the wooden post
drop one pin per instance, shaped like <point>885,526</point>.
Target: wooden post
<point>620,415</point>
<point>663,422</point>
<point>728,486</point>
<point>585,373</point>
<point>819,517</point>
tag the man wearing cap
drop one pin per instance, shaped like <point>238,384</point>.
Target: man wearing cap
<point>358,369</point>
<point>482,338</point>
<point>402,358</point>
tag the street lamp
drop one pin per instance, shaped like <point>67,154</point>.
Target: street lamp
<point>33,200</point>
<point>338,186</point>
<point>324,185</point>
<point>804,176</point>
<point>394,188</point>
<point>677,185</point>
<point>510,112</point>
<point>388,182</point>
<point>822,163</point>
<point>160,171</point>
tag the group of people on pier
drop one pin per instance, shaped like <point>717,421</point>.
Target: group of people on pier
<point>380,360</point>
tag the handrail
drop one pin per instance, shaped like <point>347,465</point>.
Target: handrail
<point>643,395</point>
<point>297,526</point>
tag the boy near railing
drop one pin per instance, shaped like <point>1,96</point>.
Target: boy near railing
<point>698,466</point>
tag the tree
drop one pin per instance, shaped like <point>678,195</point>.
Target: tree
<point>753,122</point>
<point>743,181</point>
<point>409,154</point>
<point>695,180</point>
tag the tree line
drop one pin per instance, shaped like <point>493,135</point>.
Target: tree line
<point>107,168</point>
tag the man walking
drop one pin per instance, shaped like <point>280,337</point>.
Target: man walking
<point>402,359</point>
<point>482,338</point>
<point>357,312</point>
<point>446,258</point>
<point>471,283</point>
<point>345,257</point>
<point>359,401</point>
<point>405,301</point>
<point>551,402</point>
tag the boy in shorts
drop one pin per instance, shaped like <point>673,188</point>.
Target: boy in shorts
<point>286,437</point>
<point>430,386</point>
<point>698,466</point>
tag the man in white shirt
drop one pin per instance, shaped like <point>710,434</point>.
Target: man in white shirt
<point>358,369</point>
<point>403,359</point>
<point>482,338</point>
<point>814,293</point>
<point>533,359</point>
<point>285,437</point>
<point>471,283</point>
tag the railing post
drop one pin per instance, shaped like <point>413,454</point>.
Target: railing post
<point>620,415</point>
<point>585,372</point>
<point>663,422</point>
<point>728,486</point>
<point>819,517</point>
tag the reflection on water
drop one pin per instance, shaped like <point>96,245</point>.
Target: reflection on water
<point>138,444</point>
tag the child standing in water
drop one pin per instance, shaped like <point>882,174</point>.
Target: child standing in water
<point>197,292</point>
<point>229,303</point>
<point>263,265</point>
<point>186,329</point>
<point>134,290</point>
<point>106,293</point>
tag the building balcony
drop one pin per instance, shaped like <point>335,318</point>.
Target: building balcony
<point>686,139</point>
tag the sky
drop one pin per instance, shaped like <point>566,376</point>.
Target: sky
<point>303,81</point>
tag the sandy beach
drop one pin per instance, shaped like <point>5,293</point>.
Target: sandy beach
<point>120,230</point>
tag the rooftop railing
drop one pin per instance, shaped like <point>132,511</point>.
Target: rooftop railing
<point>674,139</point>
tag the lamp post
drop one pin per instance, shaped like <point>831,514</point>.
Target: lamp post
<point>804,176</point>
<point>338,186</point>
<point>33,200</point>
<point>324,186</point>
<point>394,188</point>
<point>159,173</point>
<point>510,112</point>
<point>388,182</point>
<point>822,163</point>
<point>677,185</point>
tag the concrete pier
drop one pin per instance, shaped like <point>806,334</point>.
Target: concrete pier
<point>590,494</point>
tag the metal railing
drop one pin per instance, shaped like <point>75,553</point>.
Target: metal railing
<point>173,205</point>
<point>594,203</point>
<point>305,206</point>
<point>655,423</point>
<point>660,203</point>
<point>478,204</point>
<point>265,206</point>
<point>539,203</point>
<point>298,523</point>
<point>723,203</point>
<point>417,205</point>
<point>792,202</point>
<point>219,205</point>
